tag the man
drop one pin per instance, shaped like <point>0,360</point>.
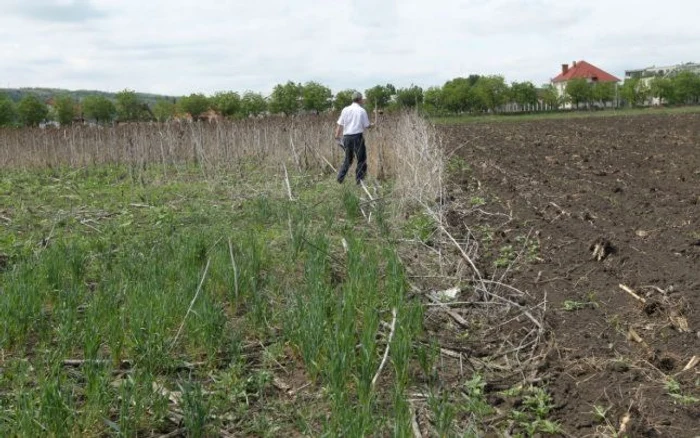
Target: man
<point>352,123</point>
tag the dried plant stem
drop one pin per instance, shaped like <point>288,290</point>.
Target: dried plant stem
<point>388,345</point>
<point>194,299</point>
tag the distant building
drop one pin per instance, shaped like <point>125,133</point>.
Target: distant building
<point>580,70</point>
<point>664,71</point>
<point>648,74</point>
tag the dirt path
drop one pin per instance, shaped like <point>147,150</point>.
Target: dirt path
<point>612,201</point>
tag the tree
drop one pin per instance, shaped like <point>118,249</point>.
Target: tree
<point>550,96</point>
<point>129,107</point>
<point>379,96</point>
<point>410,97</point>
<point>195,105</point>
<point>65,109</point>
<point>253,104</point>
<point>634,92</point>
<point>316,97</point>
<point>8,113</point>
<point>433,100</point>
<point>603,92</point>
<point>492,91</point>
<point>163,110</point>
<point>227,103</point>
<point>342,99</point>
<point>286,98</point>
<point>524,94</point>
<point>31,110</point>
<point>99,108</point>
<point>686,87</point>
<point>458,96</point>
<point>662,89</point>
<point>579,91</point>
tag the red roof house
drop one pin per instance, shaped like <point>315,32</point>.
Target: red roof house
<point>582,69</point>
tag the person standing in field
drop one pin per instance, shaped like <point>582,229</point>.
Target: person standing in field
<point>352,124</point>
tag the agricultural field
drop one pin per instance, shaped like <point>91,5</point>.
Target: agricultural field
<point>528,278</point>
<point>610,211</point>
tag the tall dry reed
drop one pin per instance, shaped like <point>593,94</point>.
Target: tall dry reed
<point>402,147</point>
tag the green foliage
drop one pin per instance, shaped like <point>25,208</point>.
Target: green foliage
<point>164,110</point>
<point>316,97</point>
<point>342,99</point>
<point>603,92</point>
<point>129,107</point>
<point>686,87</point>
<point>195,105</point>
<point>65,109</point>
<point>379,96</point>
<point>458,96</point>
<point>410,97</point>
<point>532,417</point>
<point>31,111</point>
<point>634,92</point>
<point>662,89</point>
<point>492,92</point>
<point>8,113</point>
<point>433,100</point>
<point>579,91</point>
<point>99,108</point>
<point>227,103</point>
<point>420,226</point>
<point>674,391</point>
<point>549,96</point>
<point>524,94</point>
<point>252,104</point>
<point>286,98</point>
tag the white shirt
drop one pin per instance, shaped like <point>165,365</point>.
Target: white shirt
<point>353,119</point>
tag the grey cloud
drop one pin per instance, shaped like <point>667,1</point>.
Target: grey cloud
<point>77,11</point>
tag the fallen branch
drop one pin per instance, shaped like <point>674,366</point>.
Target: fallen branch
<point>364,187</point>
<point>199,288</point>
<point>458,319</point>
<point>693,362</point>
<point>631,292</point>
<point>388,344</point>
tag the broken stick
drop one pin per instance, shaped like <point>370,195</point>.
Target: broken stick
<point>631,292</point>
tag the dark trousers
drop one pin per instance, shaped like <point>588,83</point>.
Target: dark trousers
<point>354,146</point>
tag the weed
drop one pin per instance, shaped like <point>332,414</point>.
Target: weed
<point>420,226</point>
<point>536,406</point>
<point>570,305</point>
<point>477,201</point>
<point>506,256</point>
<point>673,388</point>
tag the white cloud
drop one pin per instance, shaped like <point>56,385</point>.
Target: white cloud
<point>180,47</point>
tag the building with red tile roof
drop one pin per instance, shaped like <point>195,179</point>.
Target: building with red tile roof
<point>580,70</point>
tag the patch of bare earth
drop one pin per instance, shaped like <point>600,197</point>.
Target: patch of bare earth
<point>589,232</point>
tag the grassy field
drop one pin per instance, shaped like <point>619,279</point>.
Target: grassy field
<point>515,117</point>
<point>133,306</point>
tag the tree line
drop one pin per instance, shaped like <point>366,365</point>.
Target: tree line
<point>474,94</point>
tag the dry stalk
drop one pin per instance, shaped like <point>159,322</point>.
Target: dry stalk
<point>194,299</point>
<point>388,344</point>
<point>286,180</point>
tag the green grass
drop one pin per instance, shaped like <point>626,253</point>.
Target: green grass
<point>185,298</point>
<point>524,117</point>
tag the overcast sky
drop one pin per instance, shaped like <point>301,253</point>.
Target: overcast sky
<point>178,47</point>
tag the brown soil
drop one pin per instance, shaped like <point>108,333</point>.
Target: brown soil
<point>609,201</point>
